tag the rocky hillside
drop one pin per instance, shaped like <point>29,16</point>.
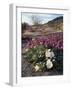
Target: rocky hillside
<point>53,26</point>
<point>57,24</point>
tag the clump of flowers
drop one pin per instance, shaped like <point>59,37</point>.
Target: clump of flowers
<point>39,66</point>
<point>50,58</point>
<point>36,56</point>
<point>38,53</point>
<point>54,40</point>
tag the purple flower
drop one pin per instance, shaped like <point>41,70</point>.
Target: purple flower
<point>55,40</point>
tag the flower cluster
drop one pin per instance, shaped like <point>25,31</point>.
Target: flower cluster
<point>36,56</point>
<point>54,40</point>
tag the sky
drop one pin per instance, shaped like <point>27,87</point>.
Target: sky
<point>44,18</point>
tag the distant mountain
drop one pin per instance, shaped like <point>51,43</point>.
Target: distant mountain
<point>56,23</point>
<point>53,26</point>
<point>58,19</point>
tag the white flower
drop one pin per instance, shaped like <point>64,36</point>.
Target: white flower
<point>26,49</point>
<point>49,53</point>
<point>49,50</point>
<point>49,64</point>
<point>53,60</point>
<point>37,68</point>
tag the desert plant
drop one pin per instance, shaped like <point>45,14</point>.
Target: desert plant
<point>36,54</point>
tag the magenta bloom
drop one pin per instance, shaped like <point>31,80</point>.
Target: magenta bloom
<point>54,40</point>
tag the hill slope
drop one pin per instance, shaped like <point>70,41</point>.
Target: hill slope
<point>53,26</point>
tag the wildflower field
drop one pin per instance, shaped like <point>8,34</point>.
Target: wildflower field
<point>42,45</point>
<point>34,53</point>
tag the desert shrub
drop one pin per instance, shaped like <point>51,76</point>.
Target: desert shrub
<point>36,54</point>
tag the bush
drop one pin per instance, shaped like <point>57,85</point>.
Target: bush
<point>36,54</point>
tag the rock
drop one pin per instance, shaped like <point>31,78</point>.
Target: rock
<point>27,68</point>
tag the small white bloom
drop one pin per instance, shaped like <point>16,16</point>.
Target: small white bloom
<point>26,49</point>
<point>49,50</point>
<point>37,68</point>
<point>52,54</point>
<point>49,64</point>
<point>53,60</point>
<point>49,53</point>
<point>33,39</point>
<point>34,46</point>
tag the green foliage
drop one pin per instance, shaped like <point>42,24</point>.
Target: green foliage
<point>36,54</point>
